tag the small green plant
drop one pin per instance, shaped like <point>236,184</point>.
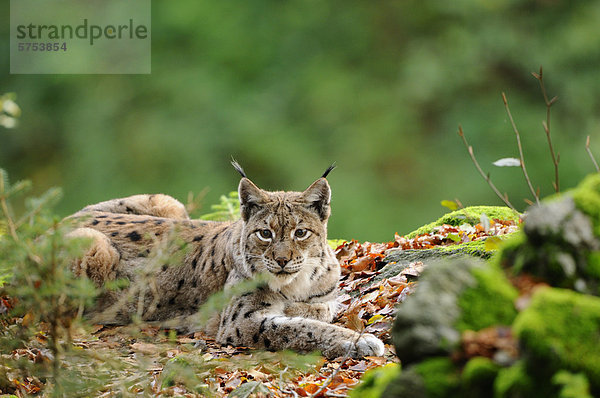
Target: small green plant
<point>34,268</point>
<point>228,209</point>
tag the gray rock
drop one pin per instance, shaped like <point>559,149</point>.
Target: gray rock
<point>561,221</point>
<point>559,240</point>
<point>424,325</point>
<point>397,260</point>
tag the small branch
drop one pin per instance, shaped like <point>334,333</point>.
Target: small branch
<point>546,125</point>
<point>459,203</point>
<point>337,370</point>
<point>486,177</point>
<point>589,151</point>
<point>514,126</point>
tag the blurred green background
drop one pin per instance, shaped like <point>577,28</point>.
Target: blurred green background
<point>288,87</point>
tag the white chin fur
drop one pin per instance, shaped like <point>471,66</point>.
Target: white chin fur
<point>277,282</point>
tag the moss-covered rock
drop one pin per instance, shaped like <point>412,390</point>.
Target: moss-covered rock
<point>478,375</point>
<point>375,381</point>
<point>560,240</point>
<point>490,301</point>
<point>440,377</point>
<point>470,215</point>
<point>451,297</point>
<point>514,382</point>
<point>587,199</point>
<point>572,385</point>
<point>561,330</point>
<point>409,384</point>
<point>433,378</point>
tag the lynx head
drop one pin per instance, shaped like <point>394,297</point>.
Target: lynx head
<point>284,233</point>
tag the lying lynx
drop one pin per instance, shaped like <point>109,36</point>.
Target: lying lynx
<point>280,234</point>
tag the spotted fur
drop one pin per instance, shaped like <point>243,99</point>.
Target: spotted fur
<point>280,234</point>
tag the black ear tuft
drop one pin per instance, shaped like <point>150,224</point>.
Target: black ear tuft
<point>238,168</point>
<point>333,166</point>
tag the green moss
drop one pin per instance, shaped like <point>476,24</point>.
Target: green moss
<point>593,264</point>
<point>513,382</point>
<point>489,302</point>
<point>476,248</point>
<point>587,199</point>
<point>510,253</point>
<point>440,377</point>
<point>375,381</point>
<point>470,215</point>
<point>478,377</point>
<point>561,330</point>
<point>572,385</point>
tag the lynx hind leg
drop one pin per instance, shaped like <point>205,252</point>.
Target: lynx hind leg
<point>157,205</point>
<point>100,260</point>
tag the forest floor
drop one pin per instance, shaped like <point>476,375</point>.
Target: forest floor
<point>163,363</point>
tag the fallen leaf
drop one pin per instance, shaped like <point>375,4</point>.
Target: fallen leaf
<point>145,348</point>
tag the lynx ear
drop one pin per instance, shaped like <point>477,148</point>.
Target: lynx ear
<point>251,198</point>
<point>318,197</point>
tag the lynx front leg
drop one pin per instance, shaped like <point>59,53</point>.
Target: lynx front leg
<point>100,260</point>
<point>279,332</point>
<point>319,311</point>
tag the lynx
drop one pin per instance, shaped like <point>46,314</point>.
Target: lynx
<point>282,235</point>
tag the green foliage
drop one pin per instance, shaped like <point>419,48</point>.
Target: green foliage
<point>228,209</point>
<point>35,258</point>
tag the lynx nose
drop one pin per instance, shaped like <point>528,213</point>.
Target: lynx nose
<point>282,261</point>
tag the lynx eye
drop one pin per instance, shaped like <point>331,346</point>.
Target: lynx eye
<point>264,235</point>
<point>301,233</point>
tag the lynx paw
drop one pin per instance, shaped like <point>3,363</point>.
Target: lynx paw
<point>367,346</point>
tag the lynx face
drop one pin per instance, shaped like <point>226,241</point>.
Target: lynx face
<point>284,233</point>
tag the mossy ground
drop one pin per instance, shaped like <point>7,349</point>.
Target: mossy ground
<point>470,215</point>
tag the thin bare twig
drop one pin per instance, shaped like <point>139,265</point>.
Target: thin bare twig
<point>486,177</point>
<point>546,125</point>
<point>459,203</point>
<point>589,151</point>
<point>337,370</point>
<point>514,126</point>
